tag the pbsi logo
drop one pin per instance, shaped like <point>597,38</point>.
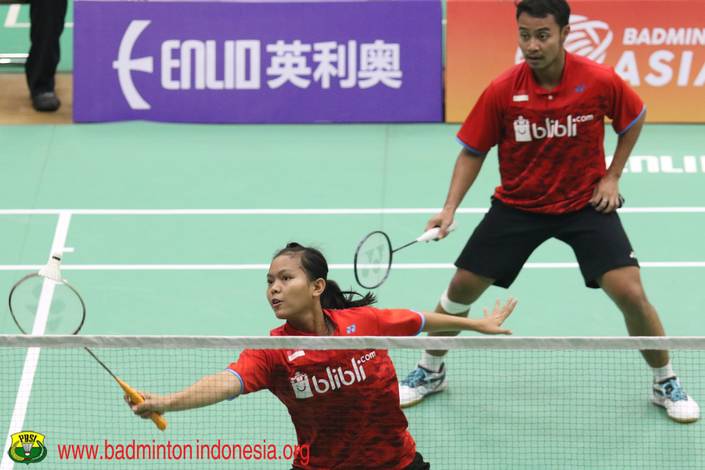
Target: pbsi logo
<point>526,131</point>
<point>27,447</point>
<point>334,379</point>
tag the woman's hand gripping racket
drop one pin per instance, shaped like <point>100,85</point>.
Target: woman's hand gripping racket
<point>373,256</point>
<point>45,303</point>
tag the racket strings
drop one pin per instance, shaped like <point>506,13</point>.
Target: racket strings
<point>36,298</point>
<point>50,305</point>
<point>373,259</point>
<point>42,306</point>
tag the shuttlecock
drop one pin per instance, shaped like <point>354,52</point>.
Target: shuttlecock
<point>52,270</point>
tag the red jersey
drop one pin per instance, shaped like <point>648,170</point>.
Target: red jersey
<point>551,152</point>
<point>344,403</point>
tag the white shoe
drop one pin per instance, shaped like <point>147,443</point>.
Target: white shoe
<point>679,406</point>
<point>421,383</point>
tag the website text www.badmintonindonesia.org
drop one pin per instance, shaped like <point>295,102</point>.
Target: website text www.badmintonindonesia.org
<point>196,450</point>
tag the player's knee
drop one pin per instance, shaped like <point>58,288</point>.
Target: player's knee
<point>466,287</point>
<point>631,298</point>
<point>451,306</point>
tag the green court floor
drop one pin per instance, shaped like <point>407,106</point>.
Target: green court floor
<point>14,35</point>
<point>172,227</point>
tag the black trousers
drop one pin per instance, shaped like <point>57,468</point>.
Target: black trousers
<point>47,23</point>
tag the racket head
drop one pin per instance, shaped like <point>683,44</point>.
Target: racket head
<point>373,260</point>
<point>57,304</point>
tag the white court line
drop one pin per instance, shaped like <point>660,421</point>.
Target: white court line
<point>340,267</point>
<point>30,363</point>
<point>13,13</point>
<point>336,211</point>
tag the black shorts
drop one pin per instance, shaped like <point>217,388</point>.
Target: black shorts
<point>418,463</point>
<point>506,237</point>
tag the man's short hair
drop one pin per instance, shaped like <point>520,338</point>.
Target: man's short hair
<point>542,8</point>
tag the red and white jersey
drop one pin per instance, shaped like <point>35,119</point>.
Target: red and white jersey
<point>344,403</point>
<point>551,151</point>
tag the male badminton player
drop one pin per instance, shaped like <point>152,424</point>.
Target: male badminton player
<point>344,404</point>
<point>546,117</point>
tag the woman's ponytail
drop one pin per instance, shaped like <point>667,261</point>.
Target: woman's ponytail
<point>315,265</point>
<point>334,297</point>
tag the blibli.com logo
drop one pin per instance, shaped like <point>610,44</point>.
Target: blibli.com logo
<point>334,379</point>
<point>526,131</point>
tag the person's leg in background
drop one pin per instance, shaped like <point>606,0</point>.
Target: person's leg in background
<point>495,254</point>
<point>47,19</point>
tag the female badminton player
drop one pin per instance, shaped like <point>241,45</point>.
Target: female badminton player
<point>344,404</point>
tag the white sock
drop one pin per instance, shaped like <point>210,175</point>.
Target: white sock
<point>663,373</point>
<point>432,363</point>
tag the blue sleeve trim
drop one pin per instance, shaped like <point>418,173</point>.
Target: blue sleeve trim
<point>423,322</point>
<point>472,150</point>
<point>242,383</point>
<point>633,122</point>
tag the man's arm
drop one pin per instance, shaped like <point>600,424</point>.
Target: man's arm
<point>625,145</point>
<point>467,167</point>
<point>605,198</point>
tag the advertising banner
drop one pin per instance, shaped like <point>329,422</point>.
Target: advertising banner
<point>658,47</point>
<point>258,61</point>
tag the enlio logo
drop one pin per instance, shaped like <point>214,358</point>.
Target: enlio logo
<point>125,64</point>
<point>27,447</point>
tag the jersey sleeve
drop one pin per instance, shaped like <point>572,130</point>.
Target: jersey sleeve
<point>254,370</point>
<point>399,322</point>
<point>482,127</point>
<point>626,107</point>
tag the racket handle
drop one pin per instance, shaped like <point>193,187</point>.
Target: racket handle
<point>136,398</point>
<point>432,234</point>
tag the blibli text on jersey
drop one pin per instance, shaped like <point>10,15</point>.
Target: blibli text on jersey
<point>333,378</point>
<point>526,131</point>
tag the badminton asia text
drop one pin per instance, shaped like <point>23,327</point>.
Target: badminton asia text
<point>219,450</point>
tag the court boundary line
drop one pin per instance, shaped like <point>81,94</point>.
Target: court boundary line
<point>357,342</point>
<point>315,211</point>
<point>13,13</point>
<point>308,211</point>
<point>334,266</point>
<point>24,389</point>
